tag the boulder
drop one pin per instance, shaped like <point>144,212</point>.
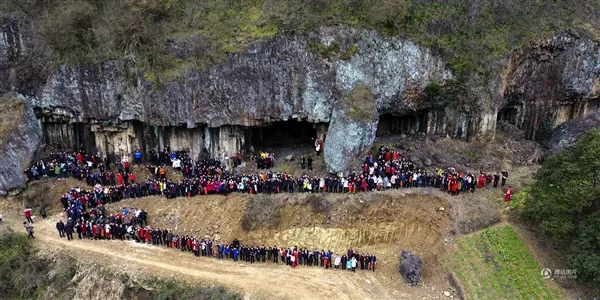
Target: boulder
<point>20,137</point>
<point>352,129</point>
<point>410,267</point>
<point>439,158</point>
<point>427,162</point>
<point>289,157</point>
<point>569,133</point>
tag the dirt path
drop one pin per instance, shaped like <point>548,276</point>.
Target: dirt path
<point>255,281</point>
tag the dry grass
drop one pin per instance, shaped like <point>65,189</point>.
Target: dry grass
<point>11,111</point>
<point>361,106</point>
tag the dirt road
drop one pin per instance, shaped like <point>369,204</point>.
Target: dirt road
<point>254,281</point>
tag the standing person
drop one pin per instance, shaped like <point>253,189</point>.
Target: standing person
<point>353,264</point>
<point>508,194</point>
<point>504,177</point>
<point>27,214</point>
<point>318,147</point>
<point>29,229</point>
<point>60,227</point>
<point>496,179</point>
<point>138,156</point>
<point>310,161</point>
<point>302,162</point>
<point>372,262</point>
<point>337,261</point>
<point>69,229</point>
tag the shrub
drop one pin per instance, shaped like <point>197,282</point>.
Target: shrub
<point>585,251</point>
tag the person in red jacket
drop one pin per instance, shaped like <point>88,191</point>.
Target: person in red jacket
<point>148,237</point>
<point>142,235</point>
<point>27,214</point>
<point>132,177</point>
<point>120,179</point>
<point>481,181</point>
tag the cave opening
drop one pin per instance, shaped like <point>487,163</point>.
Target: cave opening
<point>390,123</point>
<point>508,114</point>
<point>283,134</point>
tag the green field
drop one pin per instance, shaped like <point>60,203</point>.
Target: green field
<point>495,264</point>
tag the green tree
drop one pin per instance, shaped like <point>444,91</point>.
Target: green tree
<point>585,256</point>
<point>564,203</point>
<point>566,188</point>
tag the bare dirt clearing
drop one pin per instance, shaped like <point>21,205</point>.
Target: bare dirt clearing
<point>383,223</point>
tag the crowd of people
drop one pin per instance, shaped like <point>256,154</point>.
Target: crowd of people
<point>131,224</point>
<point>386,170</point>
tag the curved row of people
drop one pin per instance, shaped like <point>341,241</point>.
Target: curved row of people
<point>131,224</point>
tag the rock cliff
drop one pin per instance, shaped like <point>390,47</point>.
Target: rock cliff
<point>305,76</point>
<point>20,137</point>
<point>548,83</point>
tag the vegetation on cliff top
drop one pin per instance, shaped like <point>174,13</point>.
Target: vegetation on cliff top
<point>470,34</point>
<point>360,102</point>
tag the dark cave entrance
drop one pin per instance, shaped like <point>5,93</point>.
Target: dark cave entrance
<point>283,134</point>
<point>390,124</point>
<point>508,114</point>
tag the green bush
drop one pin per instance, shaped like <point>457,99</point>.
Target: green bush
<point>563,201</point>
<point>585,251</point>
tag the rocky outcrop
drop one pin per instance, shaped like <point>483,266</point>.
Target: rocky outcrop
<point>293,77</point>
<point>569,133</point>
<point>352,129</point>
<point>276,79</point>
<point>18,146</point>
<point>549,82</point>
<point>116,107</point>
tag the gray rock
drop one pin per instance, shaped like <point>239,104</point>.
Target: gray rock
<point>410,267</point>
<point>427,162</point>
<point>439,158</point>
<point>352,129</point>
<point>17,151</point>
<point>289,157</point>
<point>569,133</point>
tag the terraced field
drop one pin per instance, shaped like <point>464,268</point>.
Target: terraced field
<point>495,264</point>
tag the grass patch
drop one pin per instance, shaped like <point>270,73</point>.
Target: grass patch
<point>11,112</point>
<point>495,264</point>
<point>360,104</point>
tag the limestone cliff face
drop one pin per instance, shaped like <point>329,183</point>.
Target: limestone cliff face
<point>302,76</point>
<point>276,79</point>
<point>111,107</point>
<point>550,82</point>
<point>19,147</point>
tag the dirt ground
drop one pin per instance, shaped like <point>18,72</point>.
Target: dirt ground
<point>424,221</point>
<point>387,223</point>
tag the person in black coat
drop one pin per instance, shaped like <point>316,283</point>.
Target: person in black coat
<point>60,227</point>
